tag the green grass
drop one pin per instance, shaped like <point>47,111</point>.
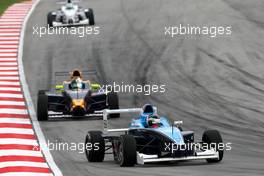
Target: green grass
<point>4,4</point>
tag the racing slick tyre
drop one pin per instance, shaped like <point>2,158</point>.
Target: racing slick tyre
<point>212,138</point>
<point>127,151</point>
<point>42,106</point>
<point>90,15</point>
<point>50,19</point>
<point>97,151</point>
<point>113,103</point>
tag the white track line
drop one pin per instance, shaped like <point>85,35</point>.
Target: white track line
<point>13,111</point>
<point>8,68</point>
<point>7,59</point>
<point>10,20</point>
<point>15,120</point>
<point>23,163</point>
<point>8,63</point>
<point>8,54</point>
<point>8,141</point>
<point>15,131</point>
<point>11,89</point>
<point>10,95</point>
<point>7,83</point>
<point>20,153</point>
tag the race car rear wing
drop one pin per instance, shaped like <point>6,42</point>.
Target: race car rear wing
<point>106,112</point>
<point>60,74</point>
<point>67,1</point>
<point>67,73</point>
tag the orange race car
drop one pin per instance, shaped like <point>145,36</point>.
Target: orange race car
<point>75,97</point>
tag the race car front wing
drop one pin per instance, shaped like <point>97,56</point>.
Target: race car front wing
<point>60,24</point>
<point>208,154</point>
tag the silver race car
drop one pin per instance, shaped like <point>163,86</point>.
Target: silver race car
<point>70,14</point>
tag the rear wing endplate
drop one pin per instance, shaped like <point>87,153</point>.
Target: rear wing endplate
<point>106,112</point>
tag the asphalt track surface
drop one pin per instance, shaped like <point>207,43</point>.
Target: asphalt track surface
<point>210,83</point>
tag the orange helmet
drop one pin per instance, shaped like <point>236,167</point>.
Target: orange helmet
<point>76,73</point>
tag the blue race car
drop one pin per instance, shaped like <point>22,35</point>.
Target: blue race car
<point>149,139</point>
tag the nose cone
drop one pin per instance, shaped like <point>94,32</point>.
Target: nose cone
<point>70,21</point>
<point>78,102</point>
<point>78,107</point>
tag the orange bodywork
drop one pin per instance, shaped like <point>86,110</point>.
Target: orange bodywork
<point>78,103</point>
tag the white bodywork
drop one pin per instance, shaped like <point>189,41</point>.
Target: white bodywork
<point>70,16</point>
<point>69,10</point>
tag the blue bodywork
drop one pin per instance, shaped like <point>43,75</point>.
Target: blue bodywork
<point>165,129</point>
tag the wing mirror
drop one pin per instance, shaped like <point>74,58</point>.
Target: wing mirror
<point>95,86</point>
<point>59,87</point>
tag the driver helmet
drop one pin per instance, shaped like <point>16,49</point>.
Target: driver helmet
<point>76,84</point>
<point>69,5</point>
<point>153,121</point>
<point>76,74</point>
